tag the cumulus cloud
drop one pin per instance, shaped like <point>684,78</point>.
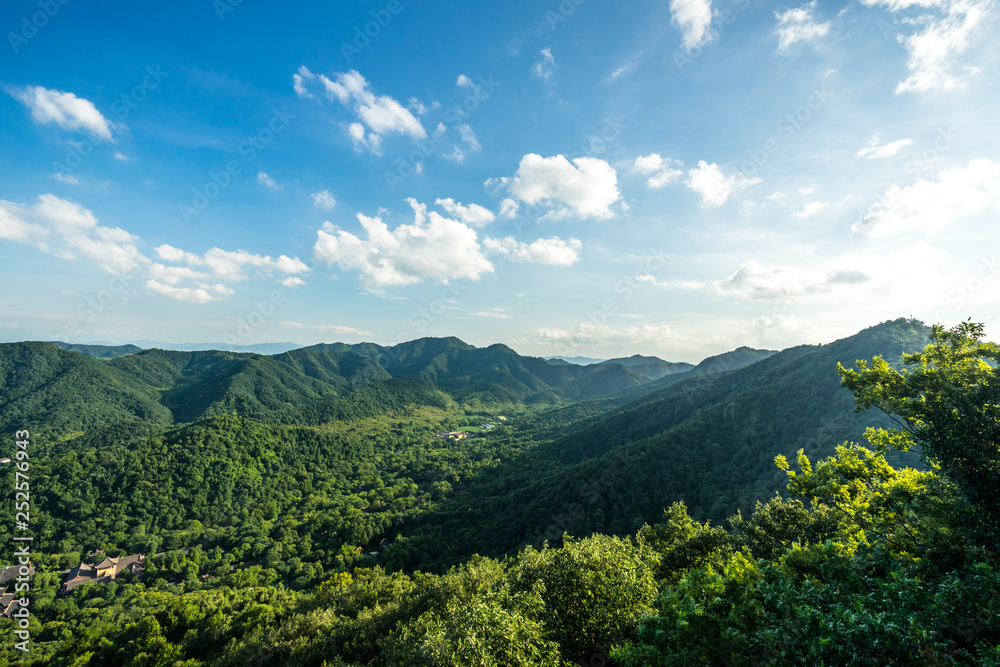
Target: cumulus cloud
<point>714,187</point>
<point>211,271</point>
<point>465,82</point>
<point>694,18</point>
<point>473,214</point>
<point>324,200</point>
<point>202,294</point>
<point>662,171</point>
<point>268,182</point>
<point>66,110</point>
<point>68,230</point>
<point>811,208</point>
<point>755,281</point>
<point>431,247</point>
<point>933,205</point>
<point>798,25</point>
<point>873,151</point>
<point>586,187</point>
<point>207,274</point>
<point>948,29</point>
<point>552,251</point>
<point>508,208</point>
<point>378,116</point>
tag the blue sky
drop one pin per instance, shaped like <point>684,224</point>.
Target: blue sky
<point>577,178</point>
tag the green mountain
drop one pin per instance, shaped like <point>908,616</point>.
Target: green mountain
<point>99,351</point>
<point>44,386</point>
<point>652,367</point>
<point>709,440</point>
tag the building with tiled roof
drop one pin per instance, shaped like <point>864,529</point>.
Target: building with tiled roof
<point>103,572</point>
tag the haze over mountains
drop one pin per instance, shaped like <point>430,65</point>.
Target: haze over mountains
<point>166,386</point>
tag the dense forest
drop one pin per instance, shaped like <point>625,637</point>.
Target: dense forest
<point>302,509</point>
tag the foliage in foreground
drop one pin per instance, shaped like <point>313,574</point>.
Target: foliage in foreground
<point>862,563</point>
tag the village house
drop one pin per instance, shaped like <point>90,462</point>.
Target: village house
<point>457,435</point>
<point>9,601</point>
<point>106,570</point>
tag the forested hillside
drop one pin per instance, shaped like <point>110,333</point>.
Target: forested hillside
<point>307,509</point>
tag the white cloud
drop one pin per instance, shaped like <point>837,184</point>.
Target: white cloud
<point>508,208</point>
<point>670,284</point>
<point>171,275</point>
<point>68,230</point>
<point>873,151</point>
<point>933,205</point>
<point>68,179</point>
<point>465,82</point>
<point>432,247</point>
<point>694,18</point>
<point>200,294</point>
<point>798,25</point>
<point>268,182</point>
<point>327,328</point>
<point>172,254</point>
<point>544,67</point>
<point>215,268</point>
<point>230,265</point>
<point>811,208</point>
<point>755,281</point>
<point>473,214</point>
<point>949,27</point>
<point>664,171</point>
<point>715,188</point>
<point>587,187</point>
<point>469,137</point>
<point>381,115</point>
<point>324,200</point>
<point>121,157</point>
<point>496,316</point>
<point>588,333</point>
<point>552,251</point>
<point>55,107</point>
<point>416,106</point>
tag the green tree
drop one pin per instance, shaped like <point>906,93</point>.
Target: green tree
<point>946,400</point>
